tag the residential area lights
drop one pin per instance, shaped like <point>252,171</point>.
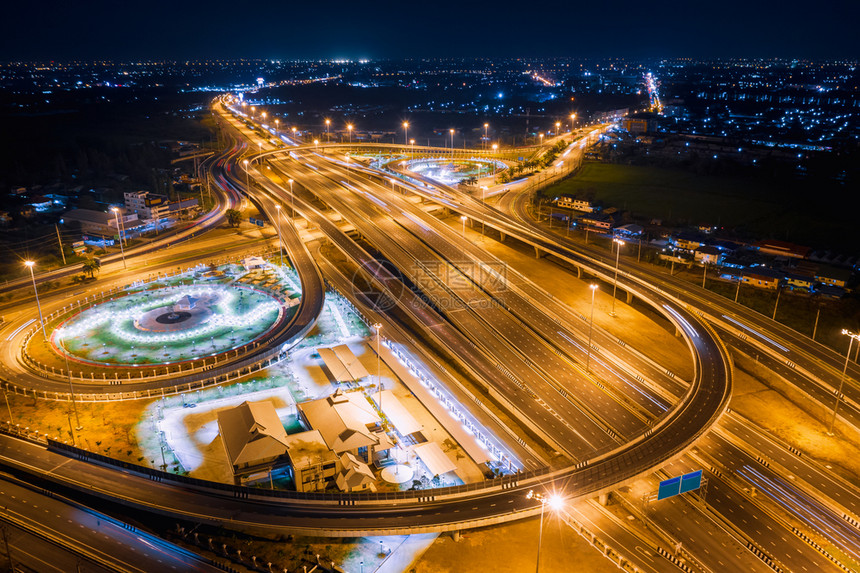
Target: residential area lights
<point>29,265</point>
<point>556,503</point>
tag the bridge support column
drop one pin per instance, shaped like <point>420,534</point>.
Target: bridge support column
<point>603,499</point>
<point>455,535</point>
<point>629,298</point>
<point>538,253</point>
<point>677,331</point>
<point>579,272</point>
<point>502,240</point>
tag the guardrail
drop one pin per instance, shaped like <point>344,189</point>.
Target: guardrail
<point>245,492</point>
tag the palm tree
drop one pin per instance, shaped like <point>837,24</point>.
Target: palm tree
<point>92,266</point>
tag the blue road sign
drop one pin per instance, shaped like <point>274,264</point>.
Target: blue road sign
<point>691,481</point>
<point>668,488</point>
<point>679,485</point>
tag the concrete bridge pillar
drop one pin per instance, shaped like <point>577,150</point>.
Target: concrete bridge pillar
<point>629,298</point>
<point>603,499</point>
<point>579,272</point>
<point>503,237</point>
<point>455,535</point>
<point>538,253</point>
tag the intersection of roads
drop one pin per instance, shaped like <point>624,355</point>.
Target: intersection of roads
<point>607,415</point>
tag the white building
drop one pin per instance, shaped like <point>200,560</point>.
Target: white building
<point>147,205</point>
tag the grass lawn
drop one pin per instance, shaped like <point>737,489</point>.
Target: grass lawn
<point>754,207</point>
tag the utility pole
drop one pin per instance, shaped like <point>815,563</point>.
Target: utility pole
<point>59,240</point>
<point>8,552</point>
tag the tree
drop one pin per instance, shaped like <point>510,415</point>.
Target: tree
<point>234,217</point>
<point>92,266</point>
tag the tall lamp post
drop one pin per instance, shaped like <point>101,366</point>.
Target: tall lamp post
<point>451,131</point>
<point>378,327</point>
<point>406,131</point>
<point>619,244</point>
<point>412,149</point>
<point>71,388</point>
<point>119,232</point>
<point>327,124</point>
<point>555,503</point>
<point>349,130</point>
<point>247,177</point>
<point>486,126</point>
<point>557,128</point>
<point>593,288</point>
<point>292,198</point>
<point>572,117</point>
<point>463,219</point>
<point>29,265</point>
<point>280,240</point>
<point>854,336</point>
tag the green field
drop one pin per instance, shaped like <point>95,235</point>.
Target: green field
<point>754,208</point>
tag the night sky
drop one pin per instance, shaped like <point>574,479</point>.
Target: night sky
<point>293,29</point>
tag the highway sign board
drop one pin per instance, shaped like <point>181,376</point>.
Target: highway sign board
<point>691,481</point>
<point>668,488</point>
<point>679,485</point>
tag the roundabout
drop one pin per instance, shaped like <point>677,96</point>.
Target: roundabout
<point>167,325</point>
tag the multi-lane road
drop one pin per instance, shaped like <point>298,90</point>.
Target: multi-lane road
<point>617,421</point>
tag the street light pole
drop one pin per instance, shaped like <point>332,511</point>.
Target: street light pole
<point>555,502</point>
<point>280,240</point>
<point>593,288</point>
<point>292,199</point>
<point>247,177</point>
<point>406,132</point>
<point>29,265</point>
<point>452,144</point>
<point>121,248</point>
<point>619,244</point>
<point>853,336</point>
<point>463,219</point>
<point>486,125</point>
<point>378,327</point>
<point>71,388</point>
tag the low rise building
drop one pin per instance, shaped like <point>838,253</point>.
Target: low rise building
<point>313,466</point>
<point>254,438</point>
<point>762,277</point>
<point>576,203</point>
<point>147,205</point>
<point>782,249</point>
<point>347,422</point>
<point>833,276</point>
<point>708,255</point>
